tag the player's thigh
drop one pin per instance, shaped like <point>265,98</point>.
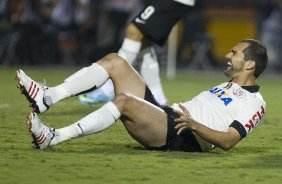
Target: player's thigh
<point>145,122</point>
<point>129,81</point>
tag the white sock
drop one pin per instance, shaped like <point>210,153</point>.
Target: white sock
<point>150,71</point>
<point>86,79</point>
<point>129,50</point>
<point>97,121</point>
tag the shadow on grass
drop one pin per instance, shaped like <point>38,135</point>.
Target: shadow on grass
<point>243,157</point>
<point>120,149</point>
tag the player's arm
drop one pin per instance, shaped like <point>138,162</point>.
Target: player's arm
<point>225,140</point>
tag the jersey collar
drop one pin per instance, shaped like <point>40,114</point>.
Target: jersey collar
<point>251,89</point>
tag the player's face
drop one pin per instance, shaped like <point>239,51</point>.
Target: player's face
<point>235,60</point>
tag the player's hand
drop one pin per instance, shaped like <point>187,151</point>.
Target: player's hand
<point>184,122</point>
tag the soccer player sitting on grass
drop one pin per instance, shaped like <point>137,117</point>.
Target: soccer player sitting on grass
<point>220,116</point>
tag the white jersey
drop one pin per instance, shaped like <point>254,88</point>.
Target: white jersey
<point>187,2</point>
<point>225,105</point>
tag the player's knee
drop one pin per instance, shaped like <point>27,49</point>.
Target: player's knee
<point>133,33</point>
<point>112,57</point>
<point>123,101</point>
<point>113,62</point>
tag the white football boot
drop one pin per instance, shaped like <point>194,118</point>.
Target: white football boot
<point>34,92</point>
<point>42,135</point>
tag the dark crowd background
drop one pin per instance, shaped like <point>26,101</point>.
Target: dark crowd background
<point>78,32</point>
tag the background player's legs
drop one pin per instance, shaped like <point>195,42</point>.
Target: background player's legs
<point>131,44</point>
<point>150,71</point>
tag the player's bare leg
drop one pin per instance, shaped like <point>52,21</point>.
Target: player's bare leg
<point>146,123</point>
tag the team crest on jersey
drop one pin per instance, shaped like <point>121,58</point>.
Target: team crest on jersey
<point>238,92</point>
<point>222,95</point>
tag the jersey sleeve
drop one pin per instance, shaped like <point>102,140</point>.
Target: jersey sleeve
<point>249,117</point>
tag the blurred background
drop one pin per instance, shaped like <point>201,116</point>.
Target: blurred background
<point>79,32</point>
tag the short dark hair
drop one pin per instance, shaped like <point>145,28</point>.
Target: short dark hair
<point>257,52</point>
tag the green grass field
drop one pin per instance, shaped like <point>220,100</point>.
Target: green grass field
<point>113,157</point>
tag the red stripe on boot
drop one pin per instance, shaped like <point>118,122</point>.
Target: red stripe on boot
<point>38,139</point>
<point>35,86</point>
<point>30,87</point>
<point>41,141</point>
<point>35,93</point>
